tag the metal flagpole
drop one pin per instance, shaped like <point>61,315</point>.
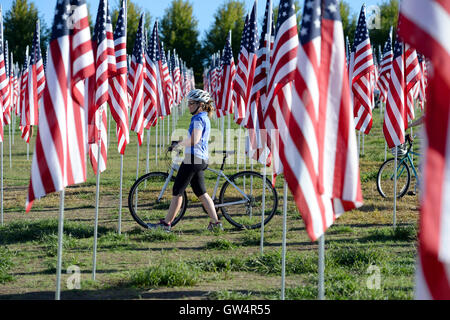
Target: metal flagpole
<point>156,144</point>
<point>359,144</point>
<point>97,190</point>
<point>395,189</point>
<point>147,168</point>
<point>60,246</point>
<point>162,135</point>
<point>223,132</point>
<point>1,187</point>
<point>168,130</point>
<point>283,246</point>
<point>321,267</point>
<point>10,159</point>
<point>239,149</point>
<point>363,142</point>
<point>263,205</point>
<point>109,128</point>
<point>120,195</point>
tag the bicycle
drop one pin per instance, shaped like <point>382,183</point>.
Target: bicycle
<point>385,177</point>
<point>239,200</point>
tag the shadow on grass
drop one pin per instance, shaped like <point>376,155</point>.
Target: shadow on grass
<point>24,231</point>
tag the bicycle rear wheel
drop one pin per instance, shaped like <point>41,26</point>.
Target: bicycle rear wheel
<point>245,214</point>
<point>386,176</point>
<point>147,204</point>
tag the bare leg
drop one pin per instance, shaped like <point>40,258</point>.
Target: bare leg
<point>208,204</point>
<point>175,206</point>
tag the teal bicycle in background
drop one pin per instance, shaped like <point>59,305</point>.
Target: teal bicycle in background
<point>405,164</point>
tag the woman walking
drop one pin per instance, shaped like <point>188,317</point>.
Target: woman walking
<point>195,162</point>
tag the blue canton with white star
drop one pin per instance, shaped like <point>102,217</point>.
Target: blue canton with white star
<point>310,28</point>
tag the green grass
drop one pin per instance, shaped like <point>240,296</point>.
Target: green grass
<point>167,273</point>
<point>6,263</point>
<point>220,244</point>
<point>24,231</point>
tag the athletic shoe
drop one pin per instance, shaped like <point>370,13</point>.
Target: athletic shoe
<point>215,226</point>
<point>161,225</point>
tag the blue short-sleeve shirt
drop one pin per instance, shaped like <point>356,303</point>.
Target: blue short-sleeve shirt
<point>201,122</point>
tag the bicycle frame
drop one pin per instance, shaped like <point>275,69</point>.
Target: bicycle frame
<point>219,174</point>
<point>411,164</point>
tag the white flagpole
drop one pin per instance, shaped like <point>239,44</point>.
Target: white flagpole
<point>28,150</point>
<point>239,149</point>
<point>162,135</point>
<point>321,267</point>
<point>156,144</point>
<point>283,246</point>
<point>9,129</point>
<point>223,132</point>
<point>119,230</point>
<point>137,162</point>
<point>1,200</point>
<point>395,190</point>
<point>97,191</point>
<point>109,129</point>
<point>363,142</point>
<point>359,143</point>
<point>60,246</point>
<point>263,205</point>
<point>147,168</point>
<point>168,130</point>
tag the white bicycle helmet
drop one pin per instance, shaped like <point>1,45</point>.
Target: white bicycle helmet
<point>199,95</point>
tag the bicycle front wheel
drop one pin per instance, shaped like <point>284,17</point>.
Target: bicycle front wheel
<point>386,176</point>
<point>148,204</point>
<point>245,212</point>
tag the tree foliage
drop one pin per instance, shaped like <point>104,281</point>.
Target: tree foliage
<point>19,26</point>
<point>388,19</point>
<point>229,16</point>
<point>179,31</point>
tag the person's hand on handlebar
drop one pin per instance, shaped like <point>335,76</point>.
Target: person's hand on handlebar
<point>173,146</point>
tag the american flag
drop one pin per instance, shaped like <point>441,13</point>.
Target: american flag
<point>283,68</point>
<point>105,66</point>
<point>136,77</point>
<point>423,81</point>
<point>424,24</point>
<point>412,76</point>
<point>245,71</point>
<point>36,79</point>
<point>385,69</point>
<point>214,79</point>
<point>362,72</point>
<point>24,127</point>
<point>395,113</point>
<point>258,148</point>
<point>7,99</point>
<point>3,78</point>
<point>118,97</point>
<point>154,100</point>
<point>176,78</point>
<point>59,157</point>
<point>225,105</point>
<point>166,81</point>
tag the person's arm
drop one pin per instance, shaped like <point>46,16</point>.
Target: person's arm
<point>417,122</point>
<point>193,140</point>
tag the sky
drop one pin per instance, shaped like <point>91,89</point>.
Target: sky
<point>203,9</point>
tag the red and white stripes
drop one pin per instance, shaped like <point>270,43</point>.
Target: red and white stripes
<point>59,157</point>
<point>424,24</point>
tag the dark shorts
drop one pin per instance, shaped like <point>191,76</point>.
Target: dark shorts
<point>191,171</point>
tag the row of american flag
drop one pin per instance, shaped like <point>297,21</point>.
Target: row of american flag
<point>65,92</point>
<point>313,90</point>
